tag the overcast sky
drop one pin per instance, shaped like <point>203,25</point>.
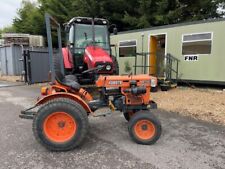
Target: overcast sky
<point>8,9</point>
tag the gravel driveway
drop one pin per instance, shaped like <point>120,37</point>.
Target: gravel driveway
<point>185,142</point>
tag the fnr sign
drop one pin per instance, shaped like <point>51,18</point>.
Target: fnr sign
<point>191,58</point>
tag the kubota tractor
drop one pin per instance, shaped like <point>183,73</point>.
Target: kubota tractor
<point>60,116</point>
<point>88,46</point>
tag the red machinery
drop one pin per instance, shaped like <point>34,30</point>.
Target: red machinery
<point>88,47</point>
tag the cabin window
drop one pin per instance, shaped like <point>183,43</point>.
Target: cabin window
<point>193,44</point>
<point>127,48</point>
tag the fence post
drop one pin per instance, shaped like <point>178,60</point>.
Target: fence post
<point>25,65</point>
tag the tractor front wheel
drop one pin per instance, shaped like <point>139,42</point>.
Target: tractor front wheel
<point>60,125</point>
<point>144,128</point>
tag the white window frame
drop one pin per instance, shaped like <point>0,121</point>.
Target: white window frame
<point>127,46</point>
<point>212,37</point>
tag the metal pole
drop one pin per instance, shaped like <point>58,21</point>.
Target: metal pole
<point>25,65</point>
<point>29,68</point>
<point>50,49</point>
<point>145,64</point>
<point>6,62</point>
<point>93,29</point>
<point>142,50</point>
<point>60,50</point>
<point>135,65</point>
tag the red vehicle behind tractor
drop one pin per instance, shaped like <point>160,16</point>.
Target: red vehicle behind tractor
<point>88,47</point>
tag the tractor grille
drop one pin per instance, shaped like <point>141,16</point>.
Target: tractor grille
<point>104,64</point>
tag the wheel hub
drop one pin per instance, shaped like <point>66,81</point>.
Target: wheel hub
<point>59,127</point>
<point>61,124</point>
<point>144,129</point>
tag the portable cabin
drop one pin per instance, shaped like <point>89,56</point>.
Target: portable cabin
<point>190,52</point>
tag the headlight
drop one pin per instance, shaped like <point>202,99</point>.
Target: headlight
<point>153,82</point>
<point>108,67</point>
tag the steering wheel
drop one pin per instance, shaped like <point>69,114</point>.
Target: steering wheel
<point>96,69</point>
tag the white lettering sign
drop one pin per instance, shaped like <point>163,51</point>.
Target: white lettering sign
<point>191,58</point>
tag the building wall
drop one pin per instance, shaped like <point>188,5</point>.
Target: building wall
<point>36,40</point>
<point>23,39</point>
<point>209,67</point>
<point>1,42</point>
<point>10,60</point>
<point>124,37</point>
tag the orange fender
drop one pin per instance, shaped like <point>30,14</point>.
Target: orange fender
<point>65,95</point>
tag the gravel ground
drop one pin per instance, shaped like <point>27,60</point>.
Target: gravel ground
<point>185,143</point>
<point>199,103</point>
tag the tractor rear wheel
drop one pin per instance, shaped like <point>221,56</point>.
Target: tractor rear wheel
<point>60,125</point>
<point>144,128</point>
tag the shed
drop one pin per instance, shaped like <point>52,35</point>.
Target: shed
<point>198,46</point>
<point>23,39</point>
<point>10,56</point>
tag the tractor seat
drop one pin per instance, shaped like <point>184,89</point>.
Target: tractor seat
<point>70,81</point>
<point>71,78</point>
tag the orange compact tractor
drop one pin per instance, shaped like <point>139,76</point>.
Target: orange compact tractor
<point>61,121</point>
<point>60,116</point>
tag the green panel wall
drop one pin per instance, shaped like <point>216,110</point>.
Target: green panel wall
<point>210,67</point>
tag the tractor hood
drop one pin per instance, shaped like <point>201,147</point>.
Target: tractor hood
<point>95,55</point>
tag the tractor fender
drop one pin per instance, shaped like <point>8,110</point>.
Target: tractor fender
<point>67,58</point>
<point>65,95</point>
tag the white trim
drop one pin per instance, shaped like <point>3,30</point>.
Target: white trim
<point>89,55</point>
<point>166,40</point>
<point>212,41</point>
<point>202,40</point>
<point>126,46</point>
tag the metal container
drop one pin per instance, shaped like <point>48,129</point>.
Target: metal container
<point>10,56</point>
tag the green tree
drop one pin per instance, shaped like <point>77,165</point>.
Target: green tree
<point>29,19</point>
<point>125,14</point>
<point>162,12</point>
<point>8,29</point>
